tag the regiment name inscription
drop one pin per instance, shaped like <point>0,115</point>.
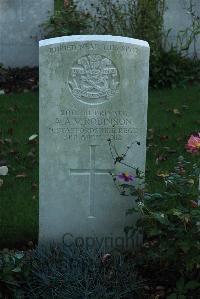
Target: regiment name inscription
<point>93,125</point>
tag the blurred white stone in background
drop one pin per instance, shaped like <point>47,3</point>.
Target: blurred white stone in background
<point>3,170</point>
<point>20,31</point>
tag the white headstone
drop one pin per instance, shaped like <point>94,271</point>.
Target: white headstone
<point>177,19</point>
<point>20,31</point>
<point>92,88</point>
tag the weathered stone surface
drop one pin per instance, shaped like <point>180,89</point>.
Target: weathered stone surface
<point>20,31</point>
<point>92,88</point>
<point>178,18</point>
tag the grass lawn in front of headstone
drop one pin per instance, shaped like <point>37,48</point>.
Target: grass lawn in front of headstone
<point>19,192</point>
<point>172,116</point>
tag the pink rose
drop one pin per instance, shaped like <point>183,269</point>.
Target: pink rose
<point>193,144</point>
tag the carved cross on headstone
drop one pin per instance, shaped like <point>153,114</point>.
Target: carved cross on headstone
<point>21,17</point>
<point>91,172</point>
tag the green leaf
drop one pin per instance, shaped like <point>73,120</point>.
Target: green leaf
<point>19,256</point>
<point>160,217</point>
<point>172,296</point>
<point>154,232</point>
<point>176,212</point>
<point>192,285</point>
<point>17,270</point>
<point>185,245</point>
<point>157,196</point>
<point>180,284</point>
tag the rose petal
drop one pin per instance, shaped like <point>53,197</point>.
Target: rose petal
<point>106,257</point>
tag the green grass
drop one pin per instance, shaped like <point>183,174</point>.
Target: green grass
<point>19,120</point>
<point>168,130</point>
<point>18,196</point>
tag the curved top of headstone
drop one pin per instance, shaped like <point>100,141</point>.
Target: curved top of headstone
<point>102,38</point>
